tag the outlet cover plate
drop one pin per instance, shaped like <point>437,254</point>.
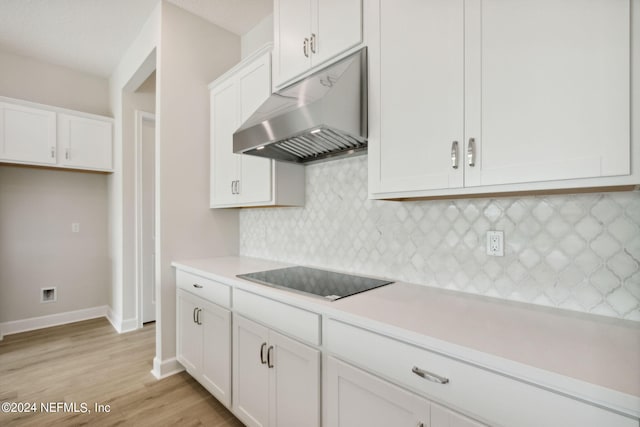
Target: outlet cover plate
<point>495,243</point>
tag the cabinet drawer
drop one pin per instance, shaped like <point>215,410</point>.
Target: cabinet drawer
<point>296,322</point>
<point>208,289</point>
<point>496,398</point>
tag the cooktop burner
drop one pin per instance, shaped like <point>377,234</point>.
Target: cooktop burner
<point>315,282</point>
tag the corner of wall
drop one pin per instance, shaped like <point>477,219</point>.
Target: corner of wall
<point>257,37</point>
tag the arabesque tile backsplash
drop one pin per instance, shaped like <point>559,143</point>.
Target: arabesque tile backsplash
<point>579,252</point>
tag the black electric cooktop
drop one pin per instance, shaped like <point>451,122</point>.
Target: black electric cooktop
<point>315,282</point>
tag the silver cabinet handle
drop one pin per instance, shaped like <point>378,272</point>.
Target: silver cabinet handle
<point>471,152</point>
<point>66,154</point>
<point>312,43</point>
<point>195,285</point>
<point>269,362</point>
<point>430,376</point>
<point>198,316</point>
<point>454,154</point>
<point>262,347</point>
<point>53,152</point>
<point>235,187</point>
<point>195,309</point>
<point>305,47</point>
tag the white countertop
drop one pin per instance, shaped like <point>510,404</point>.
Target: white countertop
<point>592,350</point>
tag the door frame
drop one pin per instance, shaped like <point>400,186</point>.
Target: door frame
<point>140,118</point>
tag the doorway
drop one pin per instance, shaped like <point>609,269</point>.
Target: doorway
<point>145,216</point>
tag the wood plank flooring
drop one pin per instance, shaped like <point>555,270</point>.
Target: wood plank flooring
<point>88,362</point>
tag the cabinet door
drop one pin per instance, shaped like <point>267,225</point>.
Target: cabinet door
<point>419,103</point>
<point>294,383</point>
<point>189,333</point>
<point>356,398</point>
<point>85,143</point>
<point>27,134</point>
<point>443,417</point>
<point>216,351</point>
<point>292,25</point>
<point>548,90</point>
<point>224,163</point>
<point>250,374</point>
<point>254,87</point>
<point>337,26</point>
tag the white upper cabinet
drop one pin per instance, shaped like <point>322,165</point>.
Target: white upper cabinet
<point>421,99</point>
<point>27,135</point>
<point>225,165</point>
<point>85,143</point>
<point>241,180</point>
<point>492,96</point>
<point>311,32</point>
<point>549,89</point>
<point>36,134</point>
<point>254,87</point>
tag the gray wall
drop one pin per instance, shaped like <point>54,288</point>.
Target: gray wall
<point>37,247</point>
<point>193,52</point>
<point>37,206</point>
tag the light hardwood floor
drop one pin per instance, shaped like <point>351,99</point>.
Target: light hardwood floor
<point>88,362</point>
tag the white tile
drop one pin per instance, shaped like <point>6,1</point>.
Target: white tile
<point>623,229</point>
<point>586,296</point>
<point>622,265</point>
<point>622,301</point>
<point>605,210</point>
<point>588,228</point>
<point>565,251</point>
<point>605,246</point>
<point>604,281</point>
<point>543,211</point>
<point>557,260</point>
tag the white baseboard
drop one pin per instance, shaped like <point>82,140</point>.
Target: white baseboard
<point>33,323</point>
<point>166,368</point>
<point>121,325</point>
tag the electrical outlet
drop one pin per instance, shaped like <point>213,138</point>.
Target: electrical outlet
<point>495,243</point>
<point>75,227</point>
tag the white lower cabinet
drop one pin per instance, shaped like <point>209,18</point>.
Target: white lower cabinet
<point>357,398</point>
<point>276,380</point>
<point>488,395</point>
<point>204,343</point>
<point>443,417</point>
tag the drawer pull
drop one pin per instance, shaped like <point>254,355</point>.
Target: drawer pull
<point>262,347</point>
<point>430,376</point>
<point>195,285</point>
<point>269,361</point>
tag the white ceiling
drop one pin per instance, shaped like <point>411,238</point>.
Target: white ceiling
<point>92,35</point>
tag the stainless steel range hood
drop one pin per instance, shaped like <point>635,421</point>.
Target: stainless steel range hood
<point>321,117</point>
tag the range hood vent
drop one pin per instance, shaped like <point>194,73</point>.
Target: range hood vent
<point>322,117</point>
